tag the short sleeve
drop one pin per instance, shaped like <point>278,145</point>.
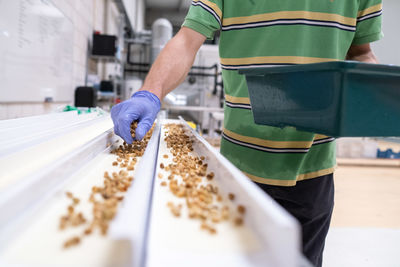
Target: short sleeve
<point>205,17</point>
<point>369,22</point>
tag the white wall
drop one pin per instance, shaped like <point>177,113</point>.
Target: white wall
<point>388,49</point>
<point>83,16</point>
<point>87,16</point>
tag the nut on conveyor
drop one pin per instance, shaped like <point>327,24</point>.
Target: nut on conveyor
<point>188,179</point>
<point>105,198</point>
<point>133,129</point>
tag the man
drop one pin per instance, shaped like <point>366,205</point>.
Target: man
<point>294,167</point>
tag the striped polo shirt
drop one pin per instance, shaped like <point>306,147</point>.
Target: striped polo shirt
<point>261,33</point>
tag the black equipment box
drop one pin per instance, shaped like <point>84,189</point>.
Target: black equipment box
<point>85,97</point>
<point>104,45</point>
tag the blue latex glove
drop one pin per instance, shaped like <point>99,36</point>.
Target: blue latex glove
<point>143,107</point>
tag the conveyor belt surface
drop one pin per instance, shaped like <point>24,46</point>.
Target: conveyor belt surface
<point>144,232</point>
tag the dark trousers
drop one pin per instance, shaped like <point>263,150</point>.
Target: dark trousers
<point>311,202</point>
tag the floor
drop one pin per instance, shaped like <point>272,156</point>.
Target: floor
<point>365,228</point>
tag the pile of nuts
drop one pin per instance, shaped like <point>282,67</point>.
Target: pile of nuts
<point>72,218</point>
<point>188,179</point>
<point>105,199</point>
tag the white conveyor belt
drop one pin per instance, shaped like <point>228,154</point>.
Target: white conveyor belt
<point>267,234</point>
<point>144,232</point>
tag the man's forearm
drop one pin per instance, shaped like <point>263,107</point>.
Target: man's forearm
<point>368,58</point>
<point>361,53</point>
<point>173,63</point>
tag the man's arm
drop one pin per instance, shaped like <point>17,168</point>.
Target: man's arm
<point>167,72</point>
<point>361,53</point>
<point>173,63</point>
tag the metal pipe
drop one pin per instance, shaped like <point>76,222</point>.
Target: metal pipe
<point>194,108</point>
<point>189,74</point>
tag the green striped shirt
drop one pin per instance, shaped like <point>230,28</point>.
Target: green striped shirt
<point>256,33</point>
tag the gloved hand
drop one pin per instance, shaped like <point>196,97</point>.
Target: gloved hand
<point>143,107</point>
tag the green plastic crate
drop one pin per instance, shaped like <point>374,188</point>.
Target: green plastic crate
<point>338,99</point>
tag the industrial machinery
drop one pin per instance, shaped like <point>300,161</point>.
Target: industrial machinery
<point>51,161</point>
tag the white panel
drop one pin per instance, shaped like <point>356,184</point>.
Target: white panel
<point>80,39</point>
<point>98,7</point>
<point>113,19</point>
<point>35,51</point>
<point>135,10</point>
<point>39,109</point>
<point>65,8</point>
<point>3,112</point>
<point>26,110</point>
<point>14,111</point>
